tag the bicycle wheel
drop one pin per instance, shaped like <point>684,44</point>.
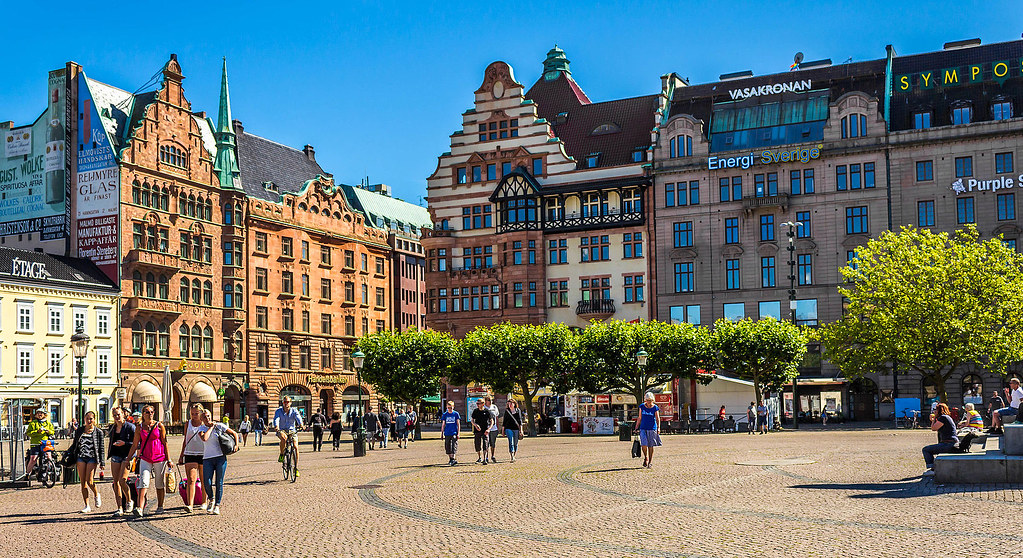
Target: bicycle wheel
<point>287,464</point>
<point>48,474</point>
<point>294,466</point>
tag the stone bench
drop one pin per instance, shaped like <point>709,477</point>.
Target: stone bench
<point>992,466</point>
<point>1012,439</point>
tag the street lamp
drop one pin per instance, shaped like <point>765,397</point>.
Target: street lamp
<point>360,434</point>
<point>792,309</point>
<point>641,357</point>
<point>79,347</point>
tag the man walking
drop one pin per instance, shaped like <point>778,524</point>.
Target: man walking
<point>751,418</point>
<point>258,427</point>
<point>452,422</point>
<point>492,433</point>
<point>385,425</point>
<point>762,417</point>
<point>318,421</point>
<point>412,418</point>
<point>372,423</point>
<point>401,428</point>
<point>481,423</point>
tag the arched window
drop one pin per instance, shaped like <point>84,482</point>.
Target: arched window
<point>183,293</point>
<point>165,199</point>
<point>973,390</point>
<point>136,283</point>
<point>680,146</point>
<point>136,193</point>
<point>183,341</point>
<point>196,341</point>
<point>136,338</point>
<point>145,194</point>
<point>228,296</point>
<point>163,340</point>
<point>182,204</point>
<point>239,347</point>
<point>164,290</point>
<point>207,293</point>
<point>209,209</point>
<point>239,298</point>
<point>207,342</point>
<point>238,214</point>
<point>854,126</point>
<point>197,248</point>
<point>196,291</point>
<point>227,214</point>
<point>150,285</point>
<point>150,339</point>
<point>191,205</point>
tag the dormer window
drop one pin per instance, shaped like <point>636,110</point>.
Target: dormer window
<point>606,128</point>
<point>270,187</point>
<point>592,160</point>
<point>962,113</point>
<point>173,156</point>
<point>921,120</point>
<point>680,146</point>
<point>854,126</point>
<point>1001,109</point>
<point>637,156</point>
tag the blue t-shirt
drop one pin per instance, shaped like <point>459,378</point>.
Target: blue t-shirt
<point>451,420</point>
<point>648,417</point>
<point>287,421</point>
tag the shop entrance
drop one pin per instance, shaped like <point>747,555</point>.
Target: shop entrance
<point>863,392</point>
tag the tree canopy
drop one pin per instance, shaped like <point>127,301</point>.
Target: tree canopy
<point>930,302</point>
<point>517,359</point>
<point>766,352</point>
<point>406,366</point>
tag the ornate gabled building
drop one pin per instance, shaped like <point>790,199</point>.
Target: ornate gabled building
<point>319,277</point>
<point>539,207</point>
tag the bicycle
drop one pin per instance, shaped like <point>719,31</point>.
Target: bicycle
<point>46,466</point>
<point>909,419</point>
<point>290,464</point>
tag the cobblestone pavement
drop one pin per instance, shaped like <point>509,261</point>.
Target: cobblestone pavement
<point>859,493</point>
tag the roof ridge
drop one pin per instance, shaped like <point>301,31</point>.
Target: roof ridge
<point>111,86</point>
<point>647,96</point>
<point>245,133</point>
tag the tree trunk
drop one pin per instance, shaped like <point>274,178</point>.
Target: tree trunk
<point>757,391</point>
<point>527,402</point>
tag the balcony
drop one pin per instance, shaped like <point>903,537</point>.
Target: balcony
<point>233,272</point>
<point>153,259</point>
<point>143,305</point>
<point>750,203</point>
<point>234,316</point>
<point>596,308</point>
<point>573,221</point>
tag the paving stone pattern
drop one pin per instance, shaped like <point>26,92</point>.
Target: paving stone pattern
<point>860,494</point>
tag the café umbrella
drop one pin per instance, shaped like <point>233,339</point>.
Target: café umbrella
<point>166,394</point>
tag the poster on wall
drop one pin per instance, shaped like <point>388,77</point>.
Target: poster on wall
<point>33,170</point>
<point>97,184</point>
<point>598,425</point>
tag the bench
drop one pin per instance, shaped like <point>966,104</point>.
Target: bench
<point>1003,465</point>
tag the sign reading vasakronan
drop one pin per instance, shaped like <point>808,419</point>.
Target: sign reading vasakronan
<point>769,89</point>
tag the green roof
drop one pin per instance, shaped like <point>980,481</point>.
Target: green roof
<point>384,211</point>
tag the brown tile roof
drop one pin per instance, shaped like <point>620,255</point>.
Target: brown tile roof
<point>634,118</point>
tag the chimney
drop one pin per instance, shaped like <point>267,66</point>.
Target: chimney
<point>237,126</point>
<point>310,153</point>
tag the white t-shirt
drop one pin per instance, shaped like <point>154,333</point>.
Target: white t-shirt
<point>194,444</point>
<point>213,443</point>
<point>494,412</point>
<point>1017,397</point>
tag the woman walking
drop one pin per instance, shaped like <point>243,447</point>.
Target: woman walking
<point>192,451</point>
<point>89,448</point>
<point>648,423</point>
<point>121,435</point>
<point>214,461</point>
<point>243,429</point>
<point>335,429</point>
<point>512,425</point>
<point>151,446</point>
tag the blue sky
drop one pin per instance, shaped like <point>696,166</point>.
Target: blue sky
<point>377,87</point>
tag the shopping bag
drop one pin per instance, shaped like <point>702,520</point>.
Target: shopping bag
<point>636,451</point>
<point>169,481</point>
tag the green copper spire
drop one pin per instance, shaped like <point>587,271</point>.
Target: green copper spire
<point>226,164</point>
<point>556,62</point>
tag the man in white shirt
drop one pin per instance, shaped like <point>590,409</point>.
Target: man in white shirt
<point>492,433</point>
<point>1015,396</point>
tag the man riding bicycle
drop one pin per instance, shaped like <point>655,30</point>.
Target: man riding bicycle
<point>40,429</point>
<point>287,420</point>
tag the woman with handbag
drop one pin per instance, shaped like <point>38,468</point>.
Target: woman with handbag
<point>512,425</point>
<point>220,441</point>
<point>153,459</point>
<point>192,453</point>
<point>88,449</point>
<point>648,423</point>
<point>121,435</point>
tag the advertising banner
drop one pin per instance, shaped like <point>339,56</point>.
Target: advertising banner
<point>667,407</point>
<point>598,425</point>
<point>97,186</point>
<point>33,170</point>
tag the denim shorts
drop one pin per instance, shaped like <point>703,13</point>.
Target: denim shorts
<point>116,459</point>
<point>1007,412</point>
<point>89,460</point>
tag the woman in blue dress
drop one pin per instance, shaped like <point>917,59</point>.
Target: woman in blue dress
<point>648,423</point>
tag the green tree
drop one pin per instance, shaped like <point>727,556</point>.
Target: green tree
<point>607,355</point>
<point>517,359</point>
<point>406,366</point>
<point>931,302</point>
<point>766,352</point>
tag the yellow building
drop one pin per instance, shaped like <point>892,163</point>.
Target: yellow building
<point>43,300</point>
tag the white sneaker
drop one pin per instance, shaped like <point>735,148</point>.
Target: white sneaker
<point>209,506</point>
<point>119,512</point>
<point>216,510</point>
<point>129,507</point>
<point>86,509</point>
<point>138,512</point>
<point>99,501</point>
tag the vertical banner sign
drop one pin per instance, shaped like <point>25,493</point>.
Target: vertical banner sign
<point>97,185</point>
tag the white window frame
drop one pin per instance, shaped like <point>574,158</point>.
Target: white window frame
<point>83,312</point>
<point>52,352</point>
<point>26,305</point>
<point>102,329</point>
<point>51,311</point>
<point>101,353</point>
<point>23,349</point>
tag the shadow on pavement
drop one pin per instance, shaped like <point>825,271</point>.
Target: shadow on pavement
<point>609,470</point>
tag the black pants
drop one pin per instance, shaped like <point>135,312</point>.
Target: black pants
<point>317,438</point>
<point>481,440</point>
<point>336,437</point>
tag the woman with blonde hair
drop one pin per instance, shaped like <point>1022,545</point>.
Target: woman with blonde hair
<point>192,452</point>
<point>648,424</point>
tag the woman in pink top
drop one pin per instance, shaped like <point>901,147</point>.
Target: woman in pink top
<point>151,444</point>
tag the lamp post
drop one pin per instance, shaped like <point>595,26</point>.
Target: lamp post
<point>360,433</point>
<point>79,347</point>
<point>792,309</point>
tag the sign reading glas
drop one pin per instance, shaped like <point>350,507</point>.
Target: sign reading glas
<point>98,180</point>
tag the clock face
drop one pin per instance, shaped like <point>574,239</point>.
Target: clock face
<point>498,90</point>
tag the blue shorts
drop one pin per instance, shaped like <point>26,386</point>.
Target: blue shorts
<point>92,460</point>
<point>1007,412</point>
<point>403,434</point>
<point>116,459</point>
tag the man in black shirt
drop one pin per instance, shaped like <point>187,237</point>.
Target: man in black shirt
<point>481,422</point>
<point>385,425</point>
<point>372,423</point>
<point>318,421</point>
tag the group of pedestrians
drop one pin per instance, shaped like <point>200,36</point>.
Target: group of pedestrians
<point>484,422</point>
<point>756,418</point>
<point>384,425</point>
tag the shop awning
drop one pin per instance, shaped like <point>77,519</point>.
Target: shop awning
<point>146,392</point>
<point>32,396</point>
<point>202,393</point>
<point>435,399</point>
<point>825,381</point>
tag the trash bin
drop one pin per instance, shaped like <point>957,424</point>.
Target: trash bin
<point>624,432</point>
